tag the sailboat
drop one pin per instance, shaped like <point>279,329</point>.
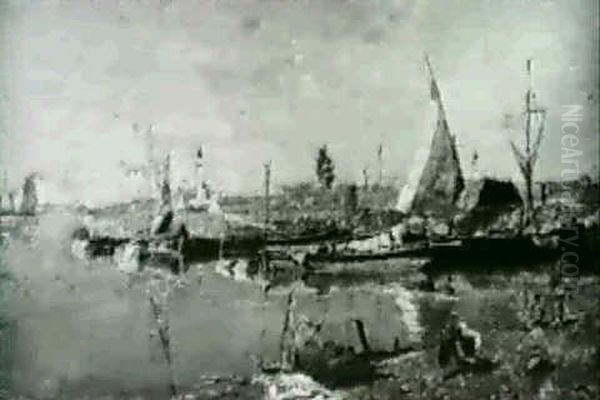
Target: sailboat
<point>436,180</point>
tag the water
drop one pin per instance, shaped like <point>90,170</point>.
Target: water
<point>82,322</point>
<point>87,326</point>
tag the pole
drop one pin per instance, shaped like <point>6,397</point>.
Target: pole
<point>362,335</point>
<point>528,154</point>
<point>199,176</point>
<point>162,321</point>
<point>267,167</point>
<point>166,183</point>
<point>528,109</point>
<point>380,163</point>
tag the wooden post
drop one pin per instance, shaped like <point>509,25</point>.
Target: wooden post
<point>180,257</point>
<point>287,341</point>
<point>362,336</point>
<point>264,261</point>
<point>221,245</point>
<point>162,321</point>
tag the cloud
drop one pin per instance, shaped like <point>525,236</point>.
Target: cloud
<point>270,80</point>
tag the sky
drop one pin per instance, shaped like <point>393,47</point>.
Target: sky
<point>253,81</point>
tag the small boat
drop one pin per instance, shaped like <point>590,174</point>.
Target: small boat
<point>409,251</point>
<point>488,251</point>
<point>311,239</point>
<point>195,248</point>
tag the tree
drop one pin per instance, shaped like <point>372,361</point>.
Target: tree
<point>351,200</point>
<point>30,199</point>
<point>325,168</point>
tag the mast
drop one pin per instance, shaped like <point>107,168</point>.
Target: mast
<point>527,157</point>
<point>199,177</point>
<point>528,95</point>
<point>4,190</point>
<point>154,180</point>
<point>165,190</point>
<point>267,167</point>
<point>380,162</point>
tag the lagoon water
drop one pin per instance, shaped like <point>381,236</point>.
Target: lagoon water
<point>87,324</point>
<point>87,327</point>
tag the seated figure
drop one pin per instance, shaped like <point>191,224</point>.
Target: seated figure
<point>459,345</point>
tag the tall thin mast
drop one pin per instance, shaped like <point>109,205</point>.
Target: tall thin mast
<point>165,194</point>
<point>201,197</point>
<point>4,189</point>
<point>528,109</point>
<point>267,167</point>
<point>153,176</point>
<point>380,163</point>
<point>527,158</point>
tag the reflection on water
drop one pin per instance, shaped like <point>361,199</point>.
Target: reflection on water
<point>88,325</point>
<point>83,322</point>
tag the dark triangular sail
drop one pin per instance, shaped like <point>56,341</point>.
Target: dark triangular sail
<point>441,181</point>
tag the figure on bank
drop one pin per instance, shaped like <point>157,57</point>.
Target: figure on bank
<point>459,345</point>
<point>448,286</point>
